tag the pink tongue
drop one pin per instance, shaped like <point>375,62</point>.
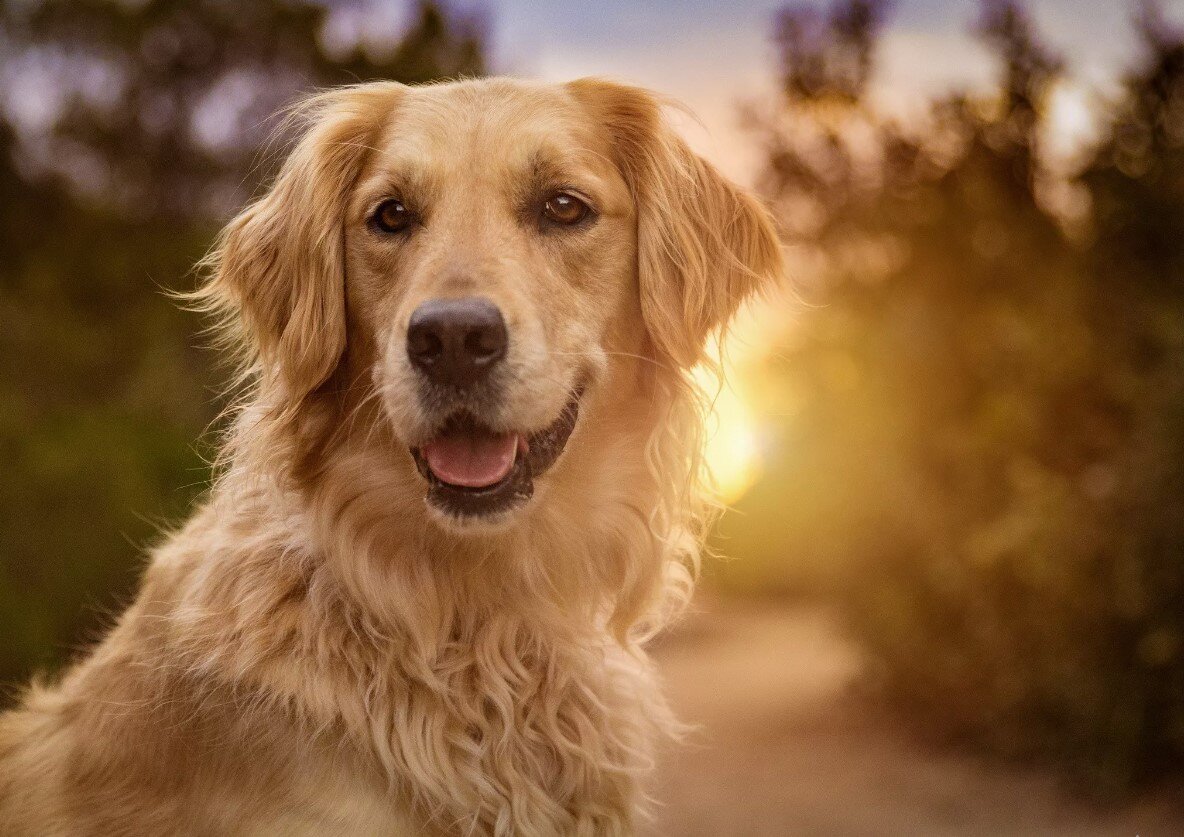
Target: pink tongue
<point>472,460</point>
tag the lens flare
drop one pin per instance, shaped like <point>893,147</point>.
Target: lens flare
<point>732,449</point>
<point>732,446</point>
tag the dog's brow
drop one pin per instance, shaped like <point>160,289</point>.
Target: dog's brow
<point>393,180</point>
<point>550,170</point>
<point>546,167</point>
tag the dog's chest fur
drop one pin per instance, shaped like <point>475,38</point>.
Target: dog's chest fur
<point>285,707</point>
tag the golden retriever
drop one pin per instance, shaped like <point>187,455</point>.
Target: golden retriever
<point>460,492</point>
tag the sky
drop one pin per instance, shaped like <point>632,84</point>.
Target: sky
<point>714,55</point>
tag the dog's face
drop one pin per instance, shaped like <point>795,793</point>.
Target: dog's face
<point>487,259</point>
<point>490,251</point>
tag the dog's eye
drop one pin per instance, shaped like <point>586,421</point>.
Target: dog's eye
<point>566,209</point>
<point>392,216</point>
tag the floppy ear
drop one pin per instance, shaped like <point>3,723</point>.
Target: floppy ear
<point>279,267</point>
<point>704,244</point>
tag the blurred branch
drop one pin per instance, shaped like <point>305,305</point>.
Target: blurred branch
<point>829,57</point>
<point>162,106</point>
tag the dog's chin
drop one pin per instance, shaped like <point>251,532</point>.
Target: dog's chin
<point>476,478</point>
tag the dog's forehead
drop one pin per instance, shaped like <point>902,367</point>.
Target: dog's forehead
<point>496,126</point>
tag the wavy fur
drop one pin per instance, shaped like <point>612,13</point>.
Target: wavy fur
<point>314,653</point>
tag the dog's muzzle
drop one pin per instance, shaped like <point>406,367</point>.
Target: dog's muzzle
<point>456,347</point>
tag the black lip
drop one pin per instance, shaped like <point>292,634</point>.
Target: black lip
<point>544,447</point>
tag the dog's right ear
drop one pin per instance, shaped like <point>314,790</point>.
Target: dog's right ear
<point>277,272</point>
<point>704,244</point>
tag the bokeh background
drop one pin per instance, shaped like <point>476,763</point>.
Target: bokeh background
<point>950,596</point>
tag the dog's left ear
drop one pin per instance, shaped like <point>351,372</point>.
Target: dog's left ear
<point>704,244</point>
<point>278,270</point>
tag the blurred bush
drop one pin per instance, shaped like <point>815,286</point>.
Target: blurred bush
<point>128,133</point>
<point>984,458</point>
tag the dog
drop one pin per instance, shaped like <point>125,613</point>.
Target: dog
<point>460,489</point>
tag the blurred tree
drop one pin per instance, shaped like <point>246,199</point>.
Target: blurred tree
<point>163,105</point>
<point>825,57</point>
<point>986,459</point>
<point>1136,261</point>
<point>128,133</point>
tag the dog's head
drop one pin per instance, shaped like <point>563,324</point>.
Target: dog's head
<point>499,264</point>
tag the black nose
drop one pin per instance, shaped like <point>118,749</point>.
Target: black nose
<point>456,341</point>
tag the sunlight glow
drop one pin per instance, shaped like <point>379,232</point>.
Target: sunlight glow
<point>732,448</point>
<point>735,439</point>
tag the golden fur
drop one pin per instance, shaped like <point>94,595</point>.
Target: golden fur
<point>316,651</point>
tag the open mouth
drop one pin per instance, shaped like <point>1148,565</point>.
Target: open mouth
<point>473,470</point>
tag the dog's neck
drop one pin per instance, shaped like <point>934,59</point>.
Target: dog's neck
<point>470,671</point>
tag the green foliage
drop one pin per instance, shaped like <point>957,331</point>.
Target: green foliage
<point>985,466</point>
<point>158,115</point>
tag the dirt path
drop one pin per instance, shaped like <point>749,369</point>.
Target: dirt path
<point>784,748</point>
